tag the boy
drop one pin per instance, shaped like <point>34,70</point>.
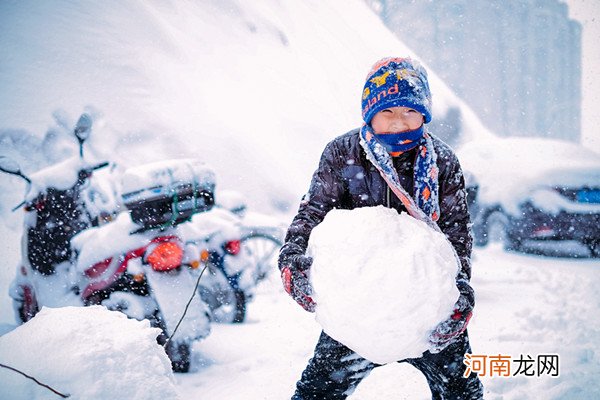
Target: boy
<point>393,160</point>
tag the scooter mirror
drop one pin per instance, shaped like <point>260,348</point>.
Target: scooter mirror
<point>10,166</point>
<point>83,127</point>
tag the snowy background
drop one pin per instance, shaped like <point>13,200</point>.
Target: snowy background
<point>256,90</point>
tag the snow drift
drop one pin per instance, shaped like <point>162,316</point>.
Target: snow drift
<point>382,281</point>
<point>88,353</point>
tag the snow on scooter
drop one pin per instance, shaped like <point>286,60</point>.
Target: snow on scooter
<point>213,240</point>
<point>135,263</point>
<point>237,255</point>
<point>261,235</point>
<point>60,201</point>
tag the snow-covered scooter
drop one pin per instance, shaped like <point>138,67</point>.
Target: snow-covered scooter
<point>135,264</point>
<point>60,201</point>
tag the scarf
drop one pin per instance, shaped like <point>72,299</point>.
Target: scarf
<point>425,205</point>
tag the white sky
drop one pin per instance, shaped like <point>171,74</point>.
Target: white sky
<point>588,13</point>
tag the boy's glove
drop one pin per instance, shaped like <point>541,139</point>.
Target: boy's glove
<point>295,281</point>
<point>446,331</point>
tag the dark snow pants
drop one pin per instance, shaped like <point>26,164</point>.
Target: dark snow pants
<point>334,371</point>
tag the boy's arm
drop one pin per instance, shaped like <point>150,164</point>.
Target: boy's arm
<point>455,223</point>
<point>454,215</point>
<point>325,193</point>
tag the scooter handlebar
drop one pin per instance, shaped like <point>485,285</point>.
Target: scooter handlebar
<point>100,166</point>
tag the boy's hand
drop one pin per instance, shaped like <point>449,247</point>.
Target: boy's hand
<point>296,283</point>
<point>445,332</point>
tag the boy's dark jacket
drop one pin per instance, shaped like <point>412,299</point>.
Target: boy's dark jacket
<point>346,179</point>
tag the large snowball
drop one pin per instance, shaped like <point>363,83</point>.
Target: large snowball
<point>87,352</point>
<point>382,281</point>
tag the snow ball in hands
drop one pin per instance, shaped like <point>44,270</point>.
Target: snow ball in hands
<point>88,353</point>
<point>382,281</point>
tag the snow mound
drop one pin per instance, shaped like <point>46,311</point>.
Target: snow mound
<point>382,281</point>
<point>89,353</point>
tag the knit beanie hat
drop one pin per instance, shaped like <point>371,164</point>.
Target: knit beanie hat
<point>396,82</point>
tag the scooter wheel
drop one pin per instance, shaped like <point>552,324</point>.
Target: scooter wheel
<point>179,354</point>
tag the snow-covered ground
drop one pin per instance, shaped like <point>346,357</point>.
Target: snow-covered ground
<point>526,306</point>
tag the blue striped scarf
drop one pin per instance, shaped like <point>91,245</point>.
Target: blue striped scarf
<point>425,204</point>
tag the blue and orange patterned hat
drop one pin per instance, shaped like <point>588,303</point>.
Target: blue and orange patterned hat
<point>396,82</point>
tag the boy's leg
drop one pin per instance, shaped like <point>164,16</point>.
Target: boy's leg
<point>332,373</point>
<point>444,372</point>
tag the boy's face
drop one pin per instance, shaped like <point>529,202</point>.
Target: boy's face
<point>396,119</point>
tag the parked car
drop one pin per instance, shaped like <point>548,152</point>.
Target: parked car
<point>522,190</point>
